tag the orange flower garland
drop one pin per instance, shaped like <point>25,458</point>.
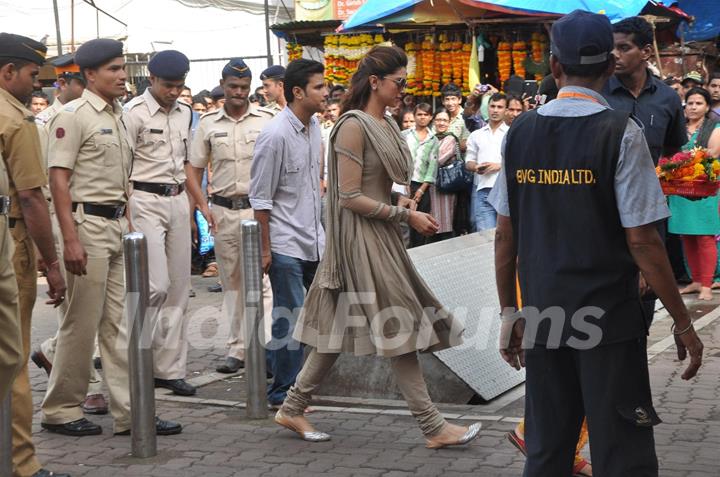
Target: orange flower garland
<point>457,61</point>
<point>445,60</point>
<point>504,54</point>
<point>465,62</point>
<point>428,61</point>
<point>519,55</point>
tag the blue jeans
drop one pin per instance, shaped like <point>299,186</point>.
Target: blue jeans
<point>290,277</point>
<point>484,215</point>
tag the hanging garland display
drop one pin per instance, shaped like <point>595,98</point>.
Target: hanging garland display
<point>445,61</point>
<point>344,52</point>
<point>436,61</point>
<point>463,63</point>
<point>504,55</point>
<point>519,55</point>
<point>414,66</point>
<point>294,50</point>
<point>427,52</point>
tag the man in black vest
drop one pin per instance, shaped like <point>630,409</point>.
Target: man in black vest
<point>577,199</point>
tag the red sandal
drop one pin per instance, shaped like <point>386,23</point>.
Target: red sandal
<point>517,442</point>
<point>582,469</point>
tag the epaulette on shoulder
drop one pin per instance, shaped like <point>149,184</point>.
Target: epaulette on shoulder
<point>137,100</point>
<point>74,105</point>
<point>269,111</point>
<point>189,108</point>
<point>209,113</point>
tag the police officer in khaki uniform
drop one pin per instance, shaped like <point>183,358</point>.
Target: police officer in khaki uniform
<point>29,222</point>
<point>273,81</point>
<point>159,130</point>
<point>10,339</point>
<point>70,85</point>
<point>89,159</point>
<point>226,138</point>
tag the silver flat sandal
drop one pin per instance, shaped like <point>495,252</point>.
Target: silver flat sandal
<point>312,436</point>
<point>472,433</point>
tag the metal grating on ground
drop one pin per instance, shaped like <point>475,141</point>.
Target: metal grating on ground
<point>461,272</point>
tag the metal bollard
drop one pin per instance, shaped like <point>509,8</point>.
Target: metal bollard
<point>254,349</point>
<point>6,467</point>
<point>140,355</point>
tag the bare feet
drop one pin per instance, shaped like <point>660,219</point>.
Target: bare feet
<point>705,294</point>
<point>694,287</point>
<point>715,285</point>
<point>452,435</point>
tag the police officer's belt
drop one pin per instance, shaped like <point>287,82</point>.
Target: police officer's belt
<point>236,203</point>
<point>4,205</point>
<point>168,190</point>
<point>101,210</point>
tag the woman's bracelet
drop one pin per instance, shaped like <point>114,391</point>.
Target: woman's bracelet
<point>681,332</point>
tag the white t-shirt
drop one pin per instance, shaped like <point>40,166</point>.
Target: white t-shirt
<point>484,145</point>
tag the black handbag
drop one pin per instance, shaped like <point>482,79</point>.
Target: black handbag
<point>453,177</point>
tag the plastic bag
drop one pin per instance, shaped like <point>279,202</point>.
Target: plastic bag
<point>206,242</point>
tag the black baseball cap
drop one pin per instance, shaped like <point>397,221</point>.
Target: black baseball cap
<point>582,38</point>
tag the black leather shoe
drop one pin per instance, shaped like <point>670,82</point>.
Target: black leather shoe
<point>47,473</point>
<point>217,288</point>
<point>81,427</point>
<point>231,365</point>
<point>177,386</point>
<point>41,361</point>
<point>162,428</point>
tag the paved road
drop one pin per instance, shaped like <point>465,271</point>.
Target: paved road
<point>368,440</point>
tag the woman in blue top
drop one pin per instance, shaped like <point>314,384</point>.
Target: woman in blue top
<point>698,221</point>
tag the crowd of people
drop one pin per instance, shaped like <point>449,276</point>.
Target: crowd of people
<point>341,181</point>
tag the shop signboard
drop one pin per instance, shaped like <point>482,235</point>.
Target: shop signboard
<point>319,10</point>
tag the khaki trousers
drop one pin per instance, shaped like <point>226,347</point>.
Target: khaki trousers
<point>94,308</point>
<point>24,461</point>
<point>408,375</point>
<point>165,222</point>
<point>11,350</point>
<point>48,346</point>
<point>228,252</point>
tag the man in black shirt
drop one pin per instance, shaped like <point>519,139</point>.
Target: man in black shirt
<point>655,105</point>
<point>635,90</point>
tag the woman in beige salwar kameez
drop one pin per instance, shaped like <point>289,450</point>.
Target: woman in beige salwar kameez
<point>367,297</point>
